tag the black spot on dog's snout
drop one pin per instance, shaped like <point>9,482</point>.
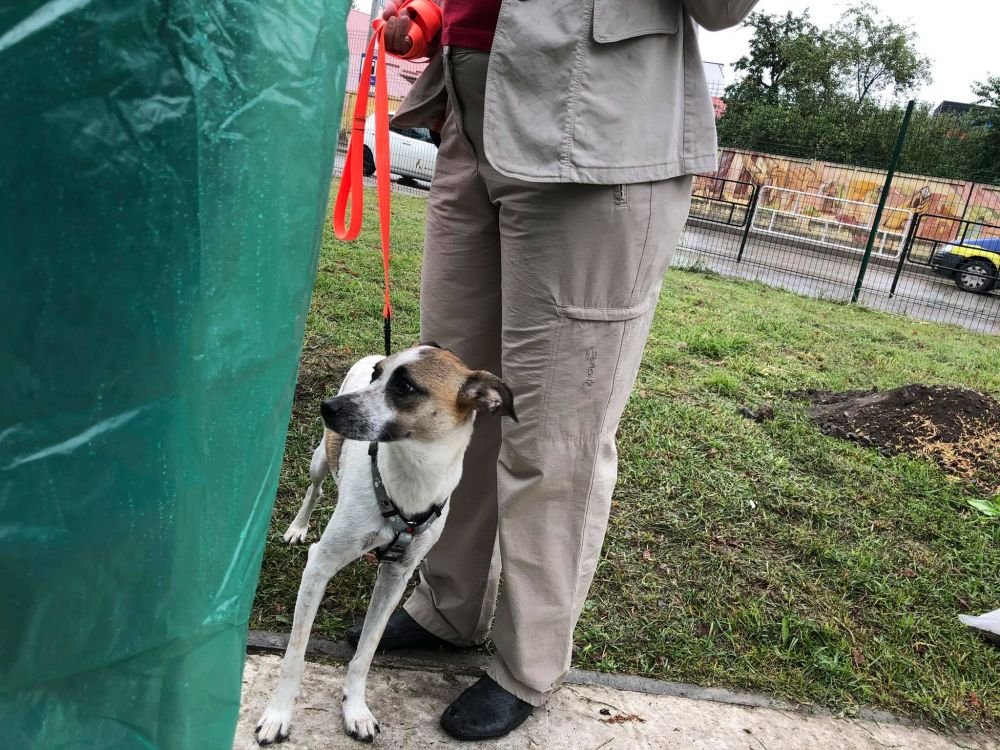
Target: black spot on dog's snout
<point>341,415</point>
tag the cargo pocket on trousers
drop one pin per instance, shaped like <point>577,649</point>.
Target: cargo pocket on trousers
<point>595,355</point>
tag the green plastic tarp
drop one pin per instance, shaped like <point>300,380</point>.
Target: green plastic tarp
<point>164,173</point>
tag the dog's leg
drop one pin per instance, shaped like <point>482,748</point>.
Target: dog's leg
<point>359,722</point>
<point>319,469</point>
<point>331,553</point>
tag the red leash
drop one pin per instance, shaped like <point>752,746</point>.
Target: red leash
<point>426,17</point>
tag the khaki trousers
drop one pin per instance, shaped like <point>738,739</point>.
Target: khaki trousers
<point>553,286</point>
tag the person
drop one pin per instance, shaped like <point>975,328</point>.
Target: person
<point>569,132</point>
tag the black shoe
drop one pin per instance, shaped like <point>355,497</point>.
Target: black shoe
<point>483,711</point>
<point>402,631</point>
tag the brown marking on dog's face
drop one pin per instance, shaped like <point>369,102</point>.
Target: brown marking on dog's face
<point>422,393</point>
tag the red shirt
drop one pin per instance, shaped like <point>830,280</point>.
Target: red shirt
<point>470,23</point>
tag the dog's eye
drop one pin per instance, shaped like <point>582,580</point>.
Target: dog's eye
<point>405,387</point>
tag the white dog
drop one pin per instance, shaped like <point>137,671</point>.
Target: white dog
<point>394,440</point>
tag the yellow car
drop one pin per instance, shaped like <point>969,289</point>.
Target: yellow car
<point>973,264</point>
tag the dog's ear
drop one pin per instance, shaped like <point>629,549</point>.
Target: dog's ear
<point>484,391</point>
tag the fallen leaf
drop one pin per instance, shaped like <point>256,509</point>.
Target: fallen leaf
<point>622,718</point>
<point>647,555</point>
<point>857,657</point>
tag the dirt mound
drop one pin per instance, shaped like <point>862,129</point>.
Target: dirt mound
<point>956,427</point>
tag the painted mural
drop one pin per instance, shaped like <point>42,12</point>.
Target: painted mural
<point>847,194</point>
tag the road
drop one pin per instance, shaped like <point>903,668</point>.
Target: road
<point>819,273</point>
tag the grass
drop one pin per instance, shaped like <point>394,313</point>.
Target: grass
<point>756,556</point>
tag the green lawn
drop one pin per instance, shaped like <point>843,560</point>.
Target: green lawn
<point>757,556</point>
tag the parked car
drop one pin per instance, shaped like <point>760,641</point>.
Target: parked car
<point>412,152</point>
<point>973,264</point>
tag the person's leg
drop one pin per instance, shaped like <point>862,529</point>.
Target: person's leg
<point>460,310</point>
<point>582,268</point>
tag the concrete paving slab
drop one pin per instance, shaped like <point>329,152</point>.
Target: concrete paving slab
<point>579,717</point>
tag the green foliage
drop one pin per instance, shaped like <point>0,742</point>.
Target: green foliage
<point>875,54</point>
<point>790,62</point>
<point>815,93</point>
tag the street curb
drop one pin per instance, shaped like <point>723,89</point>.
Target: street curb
<point>473,662</point>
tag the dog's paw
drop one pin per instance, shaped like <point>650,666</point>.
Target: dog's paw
<point>296,533</point>
<point>273,726</point>
<point>359,723</point>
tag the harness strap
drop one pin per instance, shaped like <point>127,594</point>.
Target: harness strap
<point>404,529</point>
<point>426,18</point>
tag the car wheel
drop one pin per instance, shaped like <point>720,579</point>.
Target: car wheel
<point>976,275</point>
<point>368,163</point>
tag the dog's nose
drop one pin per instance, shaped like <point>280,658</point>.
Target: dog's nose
<point>328,410</point>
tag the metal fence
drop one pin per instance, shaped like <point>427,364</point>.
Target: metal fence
<point>865,233</point>
<point>927,247</point>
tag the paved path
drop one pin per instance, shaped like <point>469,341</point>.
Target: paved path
<point>579,717</point>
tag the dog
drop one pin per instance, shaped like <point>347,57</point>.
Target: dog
<point>394,440</point>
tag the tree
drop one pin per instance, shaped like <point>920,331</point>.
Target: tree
<point>986,120</point>
<point>988,91</point>
<point>876,54</point>
<point>790,60</point>
<point>817,93</point>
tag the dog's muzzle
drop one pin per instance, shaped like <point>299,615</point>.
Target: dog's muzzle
<point>329,410</point>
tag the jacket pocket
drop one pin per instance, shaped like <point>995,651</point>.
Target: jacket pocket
<point>616,20</point>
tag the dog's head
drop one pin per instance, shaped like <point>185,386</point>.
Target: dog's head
<point>423,393</point>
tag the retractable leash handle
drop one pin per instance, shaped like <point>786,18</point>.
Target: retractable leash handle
<point>426,23</point>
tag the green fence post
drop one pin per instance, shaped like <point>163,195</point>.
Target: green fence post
<point>890,173</point>
<point>751,210</point>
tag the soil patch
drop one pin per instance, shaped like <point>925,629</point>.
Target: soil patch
<point>958,428</point>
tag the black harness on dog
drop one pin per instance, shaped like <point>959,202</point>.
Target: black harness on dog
<point>405,528</point>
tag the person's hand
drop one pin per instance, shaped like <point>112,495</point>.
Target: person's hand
<point>397,29</point>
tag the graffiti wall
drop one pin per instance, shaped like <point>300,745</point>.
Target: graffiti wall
<point>830,188</point>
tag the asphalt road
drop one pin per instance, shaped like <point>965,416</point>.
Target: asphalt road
<point>822,274</point>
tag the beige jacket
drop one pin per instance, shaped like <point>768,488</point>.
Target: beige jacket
<point>593,91</point>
